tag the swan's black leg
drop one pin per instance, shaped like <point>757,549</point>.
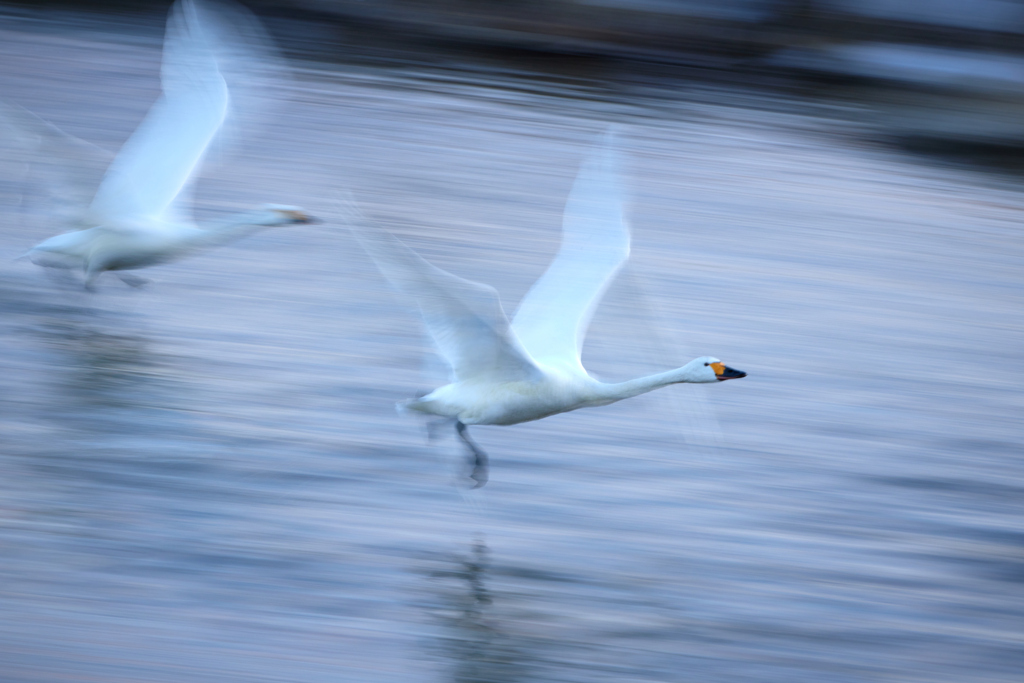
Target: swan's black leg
<point>479,459</point>
<point>91,275</point>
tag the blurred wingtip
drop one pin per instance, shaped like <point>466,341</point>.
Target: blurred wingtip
<point>348,210</point>
<point>223,44</point>
<point>612,136</point>
<point>604,160</point>
<point>20,124</point>
<point>237,35</point>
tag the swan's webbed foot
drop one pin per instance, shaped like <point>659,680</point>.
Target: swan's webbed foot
<point>478,460</point>
<point>133,280</point>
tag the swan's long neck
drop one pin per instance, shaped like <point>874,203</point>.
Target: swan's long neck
<point>228,230</point>
<point>641,385</point>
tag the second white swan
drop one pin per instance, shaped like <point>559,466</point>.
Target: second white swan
<point>504,373</point>
<point>139,216</point>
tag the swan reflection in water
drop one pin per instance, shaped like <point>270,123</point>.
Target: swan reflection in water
<point>478,645</point>
<point>111,382</point>
<point>505,373</point>
<point>106,368</point>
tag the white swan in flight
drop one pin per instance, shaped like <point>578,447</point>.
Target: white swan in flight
<point>506,373</point>
<point>139,215</point>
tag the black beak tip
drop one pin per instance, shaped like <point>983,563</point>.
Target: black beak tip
<point>311,220</point>
<point>730,373</point>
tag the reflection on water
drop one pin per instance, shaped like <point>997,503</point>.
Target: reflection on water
<point>206,481</point>
<point>103,368</point>
<point>475,642</point>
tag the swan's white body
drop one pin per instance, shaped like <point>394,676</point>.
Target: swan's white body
<point>131,247</point>
<point>510,373</point>
<point>138,216</point>
<point>549,392</point>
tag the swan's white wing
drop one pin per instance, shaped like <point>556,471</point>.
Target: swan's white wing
<point>464,318</point>
<point>71,168</point>
<point>552,320</point>
<point>156,163</point>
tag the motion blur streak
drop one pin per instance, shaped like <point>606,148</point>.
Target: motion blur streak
<point>206,481</point>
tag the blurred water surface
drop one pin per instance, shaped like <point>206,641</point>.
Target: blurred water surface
<point>206,480</point>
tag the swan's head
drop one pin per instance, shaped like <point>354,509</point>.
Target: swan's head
<point>277,215</point>
<point>710,369</point>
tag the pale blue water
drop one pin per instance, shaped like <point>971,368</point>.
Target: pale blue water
<point>206,480</point>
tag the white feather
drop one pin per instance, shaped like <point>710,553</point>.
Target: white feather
<point>141,213</point>
<point>506,374</point>
<point>553,318</point>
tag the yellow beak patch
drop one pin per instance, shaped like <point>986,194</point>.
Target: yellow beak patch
<point>718,368</point>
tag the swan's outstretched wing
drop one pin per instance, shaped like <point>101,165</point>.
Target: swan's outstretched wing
<point>552,320</point>
<point>72,168</point>
<point>464,318</point>
<point>156,163</point>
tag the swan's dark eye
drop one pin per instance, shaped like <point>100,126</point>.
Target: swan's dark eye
<point>707,364</point>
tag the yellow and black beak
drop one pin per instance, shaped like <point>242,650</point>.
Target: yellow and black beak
<point>724,372</point>
<point>301,217</point>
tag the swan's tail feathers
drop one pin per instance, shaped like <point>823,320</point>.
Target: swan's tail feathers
<point>415,405</point>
